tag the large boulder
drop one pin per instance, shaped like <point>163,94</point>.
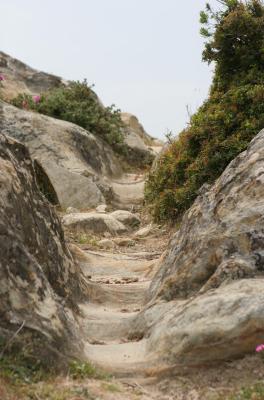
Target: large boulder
<point>221,237</point>
<point>40,283</point>
<point>206,300</point>
<point>218,325</point>
<point>126,217</point>
<point>93,222</point>
<point>77,163</point>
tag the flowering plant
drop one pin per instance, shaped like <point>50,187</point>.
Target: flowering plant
<point>260,348</point>
<point>36,99</point>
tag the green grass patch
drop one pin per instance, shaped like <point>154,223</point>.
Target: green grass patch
<point>83,370</point>
<point>111,387</point>
<point>255,392</point>
<point>84,238</point>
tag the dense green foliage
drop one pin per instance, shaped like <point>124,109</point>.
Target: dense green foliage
<point>78,103</point>
<point>227,121</point>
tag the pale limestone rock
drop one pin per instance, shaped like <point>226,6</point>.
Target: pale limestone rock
<point>74,160</point>
<point>221,324</point>
<point>143,232</point>
<point>138,141</point>
<point>127,218</point>
<point>93,222</point>
<point>20,78</point>
<point>106,244</point>
<point>132,122</point>
<point>101,208</point>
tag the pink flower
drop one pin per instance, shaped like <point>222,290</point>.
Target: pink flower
<point>260,348</point>
<point>2,78</point>
<point>36,99</point>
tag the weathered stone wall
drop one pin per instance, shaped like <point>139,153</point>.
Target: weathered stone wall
<point>205,303</point>
<point>39,281</point>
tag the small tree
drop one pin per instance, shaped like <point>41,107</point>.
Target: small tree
<point>234,41</point>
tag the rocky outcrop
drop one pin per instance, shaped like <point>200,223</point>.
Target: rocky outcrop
<point>206,300</point>
<point>40,283</point>
<point>140,151</point>
<point>221,324</point>
<point>221,238</point>
<point>76,162</point>
<point>136,127</point>
<point>20,78</point>
<point>115,223</point>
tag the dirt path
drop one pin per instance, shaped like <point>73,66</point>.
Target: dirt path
<point>119,281</point>
<point>120,286</point>
<point>129,191</point>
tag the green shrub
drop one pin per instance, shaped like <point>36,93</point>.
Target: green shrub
<point>84,370</point>
<point>227,121</point>
<point>78,103</point>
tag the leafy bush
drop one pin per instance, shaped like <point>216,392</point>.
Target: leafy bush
<point>227,121</point>
<point>78,103</point>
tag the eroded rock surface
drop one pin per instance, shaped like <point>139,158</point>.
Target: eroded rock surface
<point>76,162</point>
<point>20,78</point>
<point>139,143</point>
<point>93,222</point>
<point>221,238</point>
<point>206,300</point>
<point>127,218</point>
<point>40,283</point>
<point>220,324</point>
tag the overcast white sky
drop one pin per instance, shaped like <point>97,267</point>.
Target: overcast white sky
<point>142,55</point>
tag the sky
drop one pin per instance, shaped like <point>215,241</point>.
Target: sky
<point>144,56</point>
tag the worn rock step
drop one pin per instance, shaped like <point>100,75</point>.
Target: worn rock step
<point>119,296</point>
<point>117,265</point>
<point>129,194</point>
<point>127,359</point>
<point>101,323</point>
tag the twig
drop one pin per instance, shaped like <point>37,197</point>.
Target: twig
<point>12,338</point>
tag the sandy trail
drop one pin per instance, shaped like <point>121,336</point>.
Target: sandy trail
<point>129,190</point>
<point>109,315</point>
<point>119,282</point>
<point>118,287</point>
